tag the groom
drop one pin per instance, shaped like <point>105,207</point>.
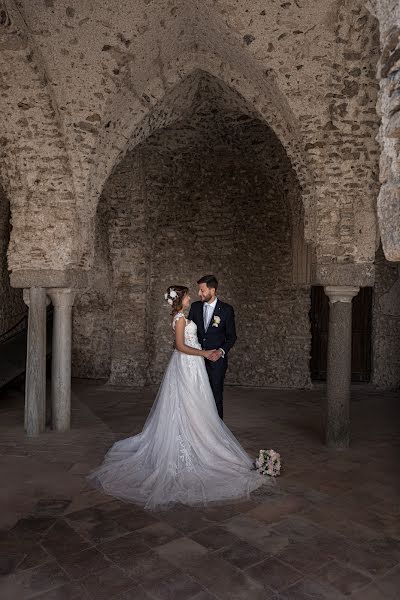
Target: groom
<point>215,322</point>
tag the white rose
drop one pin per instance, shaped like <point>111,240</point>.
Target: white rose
<point>173,294</point>
<point>166,295</point>
<point>170,301</point>
<point>217,319</point>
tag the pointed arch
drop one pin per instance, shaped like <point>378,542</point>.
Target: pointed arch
<point>161,104</point>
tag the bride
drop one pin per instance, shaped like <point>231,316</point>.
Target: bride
<point>185,453</point>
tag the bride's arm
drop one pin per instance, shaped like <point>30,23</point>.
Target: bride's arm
<point>180,341</point>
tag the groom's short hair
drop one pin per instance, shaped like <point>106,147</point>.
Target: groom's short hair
<point>210,280</point>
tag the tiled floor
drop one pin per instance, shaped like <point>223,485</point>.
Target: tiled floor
<point>328,529</point>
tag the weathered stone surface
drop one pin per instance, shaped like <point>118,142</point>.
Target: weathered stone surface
<point>388,13</point>
<point>212,193</point>
<point>389,219</point>
<point>12,307</point>
<point>49,278</point>
<point>386,324</point>
<point>359,274</point>
<point>337,420</point>
<point>93,86</point>
<point>81,91</point>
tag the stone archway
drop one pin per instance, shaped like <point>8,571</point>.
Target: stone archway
<point>213,191</point>
<point>257,94</point>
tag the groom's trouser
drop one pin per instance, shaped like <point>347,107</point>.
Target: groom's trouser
<point>216,374</point>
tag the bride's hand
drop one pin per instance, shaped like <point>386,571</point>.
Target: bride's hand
<point>208,353</point>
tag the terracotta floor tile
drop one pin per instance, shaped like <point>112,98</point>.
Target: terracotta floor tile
<point>273,511</point>
<point>69,591</point>
<point>181,551</point>
<point>123,550</point>
<point>341,577</point>
<point>274,574</point>
<point>33,581</point>
<point>149,567</point>
<point>308,589</point>
<point>215,537</point>
<point>62,539</point>
<point>177,586</point>
<point>242,555</point>
<point>240,587</point>
<point>108,583</point>
<point>83,563</point>
<point>325,510</point>
<point>303,556</point>
<point>157,534</point>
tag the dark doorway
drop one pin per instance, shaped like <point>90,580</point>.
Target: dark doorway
<point>361,334</point>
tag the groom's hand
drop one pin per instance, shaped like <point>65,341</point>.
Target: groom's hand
<point>215,356</point>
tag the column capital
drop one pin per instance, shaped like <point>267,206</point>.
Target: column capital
<point>341,293</point>
<point>26,296</point>
<point>62,297</point>
<point>49,278</point>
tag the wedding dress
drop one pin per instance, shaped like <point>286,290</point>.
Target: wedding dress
<point>185,453</point>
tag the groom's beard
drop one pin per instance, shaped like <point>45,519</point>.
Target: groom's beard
<point>206,298</point>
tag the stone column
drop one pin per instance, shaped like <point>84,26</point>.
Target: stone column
<point>337,426</point>
<point>35,383</point>
<point>62,299</point>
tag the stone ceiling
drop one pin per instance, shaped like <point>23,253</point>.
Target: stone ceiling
<point>85,76</point>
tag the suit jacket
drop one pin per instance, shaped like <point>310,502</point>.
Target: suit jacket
<point>221,336</point>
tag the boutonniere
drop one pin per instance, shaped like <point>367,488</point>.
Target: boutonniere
<point>216,321</point>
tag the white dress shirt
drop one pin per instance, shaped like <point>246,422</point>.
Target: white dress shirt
<point>208,309</point>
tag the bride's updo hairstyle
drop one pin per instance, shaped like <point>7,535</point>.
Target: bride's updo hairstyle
<point>174,296</point>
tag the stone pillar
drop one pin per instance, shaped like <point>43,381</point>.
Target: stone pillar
<point>62,299</point>
<point>35,383</point>
<point>337,426</point>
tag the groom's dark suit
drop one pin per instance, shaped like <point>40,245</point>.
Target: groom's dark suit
<point>220,334</point>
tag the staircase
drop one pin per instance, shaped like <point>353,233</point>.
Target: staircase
<point>13,348</point>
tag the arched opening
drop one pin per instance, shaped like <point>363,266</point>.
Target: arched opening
<point>212,192</point>
<point>139,111</point>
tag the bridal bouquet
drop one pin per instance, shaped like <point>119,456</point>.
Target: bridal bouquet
<point>269,463</point>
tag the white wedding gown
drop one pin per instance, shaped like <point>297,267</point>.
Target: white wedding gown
<point>185,453</point>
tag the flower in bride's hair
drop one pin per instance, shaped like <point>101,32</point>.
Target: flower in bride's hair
<point>173,294</point>
<point>166,295</point>
<point>170,301</point>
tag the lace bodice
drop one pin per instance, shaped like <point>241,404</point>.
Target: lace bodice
<point>190,331</point>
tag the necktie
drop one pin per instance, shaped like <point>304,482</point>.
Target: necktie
<point>207,315</point>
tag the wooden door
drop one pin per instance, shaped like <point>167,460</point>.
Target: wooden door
<point>361,334</point>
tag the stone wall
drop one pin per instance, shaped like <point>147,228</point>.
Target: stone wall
<point>112,310</point>
<point>386,324</point>
<point>209,194</point>
<point>91,325</point>
<point>388,72</point>
<point>224,211</point>
<point>12,306</point>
